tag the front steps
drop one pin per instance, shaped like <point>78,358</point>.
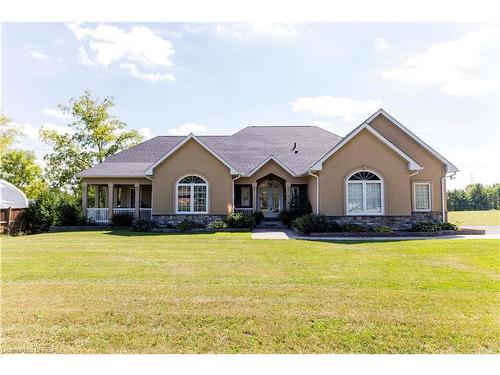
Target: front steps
<point>271,224</point>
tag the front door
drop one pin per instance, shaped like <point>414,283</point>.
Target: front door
<point>270,198</point>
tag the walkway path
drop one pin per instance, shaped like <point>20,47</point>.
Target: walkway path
<point>288,234</point>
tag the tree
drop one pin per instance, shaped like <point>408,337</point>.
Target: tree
<point>8,134</point>
<point>20,168</point>
<point>477,197</point>
<point>94,135</point>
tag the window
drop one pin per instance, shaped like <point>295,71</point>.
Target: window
<point>192,195</point>
<point>245,196</point>
<point>365,194</point>
<point>295,192</point>
<point>422,196</point>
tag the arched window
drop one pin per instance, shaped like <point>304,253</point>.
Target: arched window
<point>192,195</point>
<point>365,194</point>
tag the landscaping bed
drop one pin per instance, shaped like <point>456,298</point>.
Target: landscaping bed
<point>396,233</point>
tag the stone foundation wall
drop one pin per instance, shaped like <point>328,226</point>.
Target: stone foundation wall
<point>164,220</point>
<point>394,222</point>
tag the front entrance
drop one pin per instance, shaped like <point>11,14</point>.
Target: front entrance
<point>270,198</point>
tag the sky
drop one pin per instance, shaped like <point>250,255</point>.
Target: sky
<point>442,81</point>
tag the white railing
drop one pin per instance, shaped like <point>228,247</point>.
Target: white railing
<point>247,211</point>
<point>130,211</point>
<point>145,213</point>
<point>99,215</point>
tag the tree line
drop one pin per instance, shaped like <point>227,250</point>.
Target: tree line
<point>475,197</point>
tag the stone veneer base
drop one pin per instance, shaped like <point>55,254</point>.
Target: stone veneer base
<point>204,219</point>
<point>394,222</point>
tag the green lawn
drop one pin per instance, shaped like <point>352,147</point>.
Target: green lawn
<point>102,292</point>
<point>491,217</point>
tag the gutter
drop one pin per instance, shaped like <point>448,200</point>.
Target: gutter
<point>317,190</point>
<point>232,189</point>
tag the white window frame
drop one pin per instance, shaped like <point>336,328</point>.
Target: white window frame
<point>415,196</point>
<point>191,195</point>
<point>364,182</point>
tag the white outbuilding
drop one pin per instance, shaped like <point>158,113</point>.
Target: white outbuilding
<point>11,196</point>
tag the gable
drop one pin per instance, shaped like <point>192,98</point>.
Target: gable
<point>411,163</point>
<point>408,142</point>
<point>191,156</point>
<point>191,139</point>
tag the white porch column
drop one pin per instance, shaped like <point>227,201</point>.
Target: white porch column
<point>97,192</point>
<point>288,195</point>
<point>84,198</point>
<point>137,201</point>
<point>254,196</point>
<point>110,200</point>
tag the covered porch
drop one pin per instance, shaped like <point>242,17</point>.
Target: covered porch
<point>101,201</point>
<point>269,194</point>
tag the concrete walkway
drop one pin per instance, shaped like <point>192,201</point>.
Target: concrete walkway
<point>288,234</point>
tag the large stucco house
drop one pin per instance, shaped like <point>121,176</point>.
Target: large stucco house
<point>378,174</point>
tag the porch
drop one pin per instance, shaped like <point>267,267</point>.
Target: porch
<point>270,194</point>
<point>101,201</point>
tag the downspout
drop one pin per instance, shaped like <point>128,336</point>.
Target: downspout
<point>317,190</point>
<point>232,190</point>
<point>443,192</point>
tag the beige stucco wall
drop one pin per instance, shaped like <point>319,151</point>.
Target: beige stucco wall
<point>433,168</point>
<point>365,151</point>
<point>192,158</point>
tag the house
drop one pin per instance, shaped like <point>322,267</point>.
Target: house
<point>378,174</point>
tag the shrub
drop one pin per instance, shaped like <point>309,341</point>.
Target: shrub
<point>122,219</point>
<point>239,220</point>
<point>448,226</point>
<point>383,229</point>
<point>311,223</point>
<point>69,213</point>
<point>335,227</point>
<point>429,226</point>
<point>89,221</point>
<point>298,207</point>
<point>186,225</point>
<point>217,224</point>
<point>354,228</point>
<point>41,214</point>
<point>142,225</point>
<point>257,217</point>
<point>426,226</point>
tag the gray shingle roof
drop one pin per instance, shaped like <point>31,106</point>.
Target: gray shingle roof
<point>243,150</point>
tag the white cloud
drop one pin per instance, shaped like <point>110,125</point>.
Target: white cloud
<point>187,128</point>
<point>55,113</point>
<point>381,44</point>
<point>38,55</point>
<point>31,131</point>
<point>58,128</point>
<point>463,67</point>
<point>346,109</point>
<point>240,30</point>
<point>105,45</point>
<point>147,133</point>
<point>151,77</point>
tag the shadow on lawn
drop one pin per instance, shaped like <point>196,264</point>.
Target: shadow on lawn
<point>129,233</point>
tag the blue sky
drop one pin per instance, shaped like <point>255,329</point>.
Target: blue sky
<point>440,80</point>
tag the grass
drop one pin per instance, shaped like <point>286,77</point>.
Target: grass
<point>117,292</point>
<point>491,217</point>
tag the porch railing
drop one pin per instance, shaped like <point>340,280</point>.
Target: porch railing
<point>145,213</point>
<point>247,211</point>
<point>99,215</point>
<point>130,211</point>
